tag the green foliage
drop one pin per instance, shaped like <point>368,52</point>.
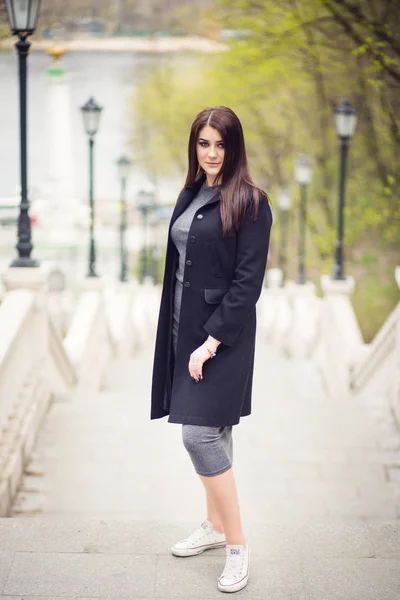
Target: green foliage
<point>375,296</point>
<point>4,31</point>
<point>292,64</point>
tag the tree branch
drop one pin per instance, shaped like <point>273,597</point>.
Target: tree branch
<point>378,30</point>
<point>356,37</point>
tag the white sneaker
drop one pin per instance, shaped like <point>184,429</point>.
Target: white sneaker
<point>203,538</point>
<point>236,572</point>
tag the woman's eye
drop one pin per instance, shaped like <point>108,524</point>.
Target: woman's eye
<point>206,144</point>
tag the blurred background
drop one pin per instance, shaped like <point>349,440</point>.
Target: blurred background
<point>282,67</point>
<point>112,89</point>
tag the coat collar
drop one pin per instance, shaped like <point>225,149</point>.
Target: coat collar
<point>185,198</point>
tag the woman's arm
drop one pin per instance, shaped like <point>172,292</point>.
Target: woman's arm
<point>227,321</point>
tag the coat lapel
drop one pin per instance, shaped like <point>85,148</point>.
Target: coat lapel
<point>182,203</point>
<point>185,199</point>
<point>214,198</point>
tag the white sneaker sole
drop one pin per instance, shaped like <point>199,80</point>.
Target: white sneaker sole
<point>198,550</point>
<point>237,586</point>
<point>234,588</point>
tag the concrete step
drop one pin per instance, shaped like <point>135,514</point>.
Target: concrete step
<point>300,455</point>
<point>122,558</point>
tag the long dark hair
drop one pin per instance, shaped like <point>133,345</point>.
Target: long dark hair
<point>237,184</point>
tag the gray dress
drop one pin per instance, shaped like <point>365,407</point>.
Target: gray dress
<point>210,448</point>
<point>179,235</point>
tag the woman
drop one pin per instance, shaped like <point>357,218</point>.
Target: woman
<point>205,343</point>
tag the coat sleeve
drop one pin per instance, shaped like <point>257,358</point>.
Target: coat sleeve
<point>228,320</point>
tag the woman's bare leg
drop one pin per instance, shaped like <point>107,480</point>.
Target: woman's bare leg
<point>213,516</point>
<point>221,490</point>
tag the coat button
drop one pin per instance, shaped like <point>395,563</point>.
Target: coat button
<point>189,263</point>
<point>199,217</point>
<point>186,283</point>
<point>192,239</point>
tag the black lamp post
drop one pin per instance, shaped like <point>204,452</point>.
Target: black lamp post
<point>346,120</point>
<point>22,17</point>
<point>303,172</point>
<point>145,205</point>
<point>124,165</point>
<point>284,204</point>
<point>91,116</point>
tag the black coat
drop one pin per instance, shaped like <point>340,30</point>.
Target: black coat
<point>222,282</point>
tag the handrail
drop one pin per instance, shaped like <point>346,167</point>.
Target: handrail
<point>15,310</point>
<point>380,347</point>
<point>88,343</point>
<point>60,355</point>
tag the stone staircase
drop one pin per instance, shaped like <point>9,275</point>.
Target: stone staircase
<point>128,559</point>
<point>108,491</point>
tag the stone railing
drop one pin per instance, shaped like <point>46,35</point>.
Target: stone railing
<point>144,313</point>
<point>377,366</point>
<point>326,331</point>
<point>34,368</point>
<point>290,315</point>
<point>58,343</point>
<point>340,338</point>
<point>376,353</point>
<point>88,342</point>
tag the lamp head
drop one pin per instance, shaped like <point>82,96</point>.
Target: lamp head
<point>346,119</point>
<point>284,199</point>
<point>303,169</point>
<point>144,198</point>
<point>124,165</point>
<point>22,16</point>
<point>91,116</point>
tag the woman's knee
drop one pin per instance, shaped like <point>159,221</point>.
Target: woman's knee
<point>190,438</point>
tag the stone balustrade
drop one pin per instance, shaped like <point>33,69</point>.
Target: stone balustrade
<point>88,342</point>
<point>340,337</point>
<point>53,344</point>
<point>145,308</point>
<point>34,368</point>
<point>377,367</point>
<point>273,313</point>
<point>290,315</point>
<point>326,330</point>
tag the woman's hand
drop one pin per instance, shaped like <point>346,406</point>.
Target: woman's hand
<point>197,358</point>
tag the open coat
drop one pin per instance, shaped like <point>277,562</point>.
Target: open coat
<point>223,279</point>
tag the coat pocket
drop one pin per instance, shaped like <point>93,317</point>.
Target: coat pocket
<point>214,296</point>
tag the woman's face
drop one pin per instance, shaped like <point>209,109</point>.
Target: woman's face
<point>210,152</point>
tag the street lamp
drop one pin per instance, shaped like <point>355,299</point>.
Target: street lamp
<point>284,204</point>
<point>23,17</point>
<point>303,173</point>
<point>124,165</point>
<point>346,120</point>
<point>91,116</point>
<point>145,203</point>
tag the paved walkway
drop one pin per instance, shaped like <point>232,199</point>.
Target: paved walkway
<point>299,456</point>
<point>130,560</point>
<point>317,479</point>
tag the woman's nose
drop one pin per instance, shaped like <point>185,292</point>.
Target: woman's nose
<point>212,151</point>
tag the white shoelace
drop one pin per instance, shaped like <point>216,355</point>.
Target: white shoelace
<point>233,566</point>
<point>197,535</point>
